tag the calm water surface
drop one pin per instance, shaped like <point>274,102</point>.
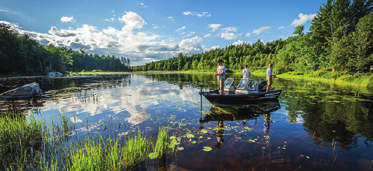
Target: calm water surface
<point>313,126</point>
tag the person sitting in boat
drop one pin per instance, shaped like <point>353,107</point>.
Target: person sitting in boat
<point>221,75</point>
<point>269,77</point>
<point>246,72</point>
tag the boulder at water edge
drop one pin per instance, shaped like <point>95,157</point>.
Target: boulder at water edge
<point>27,91</point>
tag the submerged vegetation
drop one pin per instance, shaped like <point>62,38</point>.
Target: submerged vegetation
<point>29,144</point>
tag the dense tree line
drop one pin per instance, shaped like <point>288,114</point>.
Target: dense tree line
<point>340,39</point>
<point>20,54</point>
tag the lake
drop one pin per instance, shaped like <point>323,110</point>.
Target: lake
<point>313,126</point>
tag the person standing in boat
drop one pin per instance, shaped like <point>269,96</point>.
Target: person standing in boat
<point>220,72</point>
<point>269,77</point>
<point>246,72</point>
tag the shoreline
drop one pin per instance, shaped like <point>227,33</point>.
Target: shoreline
<point>365,81</point>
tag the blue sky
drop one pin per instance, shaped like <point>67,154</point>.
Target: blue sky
<point>151,30</point>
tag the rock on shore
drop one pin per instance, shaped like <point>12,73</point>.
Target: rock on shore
<point>27,91</point>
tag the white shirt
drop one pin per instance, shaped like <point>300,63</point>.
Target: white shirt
<point>220,70</point>
<point>246,73</point>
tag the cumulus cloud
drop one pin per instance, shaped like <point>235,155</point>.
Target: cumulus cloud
<point>260,30</point>
<point>248,34</point>
<point>67,19</point>
<point>240,42</point>
<point>129,40</point>
<point>201,14</point>
<point>303,18</point>
<point>62,33</point>
<point>212,48</point>
<point>191,45</point>
<point>132,20</point>
<point>181,28</point>
<point>214,27</point>
<point>171,18</point>
<point>282,27</point>
<point>228,36</point>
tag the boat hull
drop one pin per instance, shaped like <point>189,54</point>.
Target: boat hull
<point>238,99</point>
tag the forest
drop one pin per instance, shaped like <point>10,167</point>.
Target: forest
<point>340,39</point>
<point>21,55</point>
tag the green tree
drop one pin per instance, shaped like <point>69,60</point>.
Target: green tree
<point>361,43</point>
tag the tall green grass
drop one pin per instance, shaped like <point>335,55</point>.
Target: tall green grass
<point>20,141</point>
<point>26,144</point>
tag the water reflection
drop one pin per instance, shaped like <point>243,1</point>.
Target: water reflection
<point>315,125</point>
<point>242,114</point>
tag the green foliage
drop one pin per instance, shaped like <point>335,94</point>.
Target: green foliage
<point>340,40</point>
<point>20,54</point>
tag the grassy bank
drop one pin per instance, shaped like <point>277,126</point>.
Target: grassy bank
<point>339,78</point>
<point>27,144</point>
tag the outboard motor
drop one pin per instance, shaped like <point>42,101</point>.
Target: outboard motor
<point>262,86</point>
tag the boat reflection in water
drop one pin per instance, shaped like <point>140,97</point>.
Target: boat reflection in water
<point>243,114</point>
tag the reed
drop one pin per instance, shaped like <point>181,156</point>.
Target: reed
<point>29,145</point>
<point>162,141</point>
<point>20,141</point>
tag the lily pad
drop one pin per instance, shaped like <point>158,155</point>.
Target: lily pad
<point>204,131</point>
<point>190,135</point>
<point>180,148</point>
<point>207,148</point>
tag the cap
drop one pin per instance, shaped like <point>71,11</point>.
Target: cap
<point>219,61</point>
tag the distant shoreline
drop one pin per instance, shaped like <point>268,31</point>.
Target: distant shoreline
<point>322,76</point>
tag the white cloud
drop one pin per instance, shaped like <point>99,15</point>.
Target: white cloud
<point>187,13</point>
<point>155,26</point>
<point>191,45</point>
<point>228,36</point>
<point>110,19</point>
<point>2,10</point>
<point>190,34</point>
<point>303,18</point>
<point>181,28</point>
<point>282,27</point>
<point>202,14</point>
<point>143,5</point>
<point>248,34</point>
<point>67,19</point>
<point>229,29</point>
<point>207,35</point>
<point>130,40</point>
<point>241,42</point>
<point>214,26</point>
<point>227,33</point>
<point>132,20</point>
<point>212,48</point>
<point>260,30</point>
<point>171,18</point>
